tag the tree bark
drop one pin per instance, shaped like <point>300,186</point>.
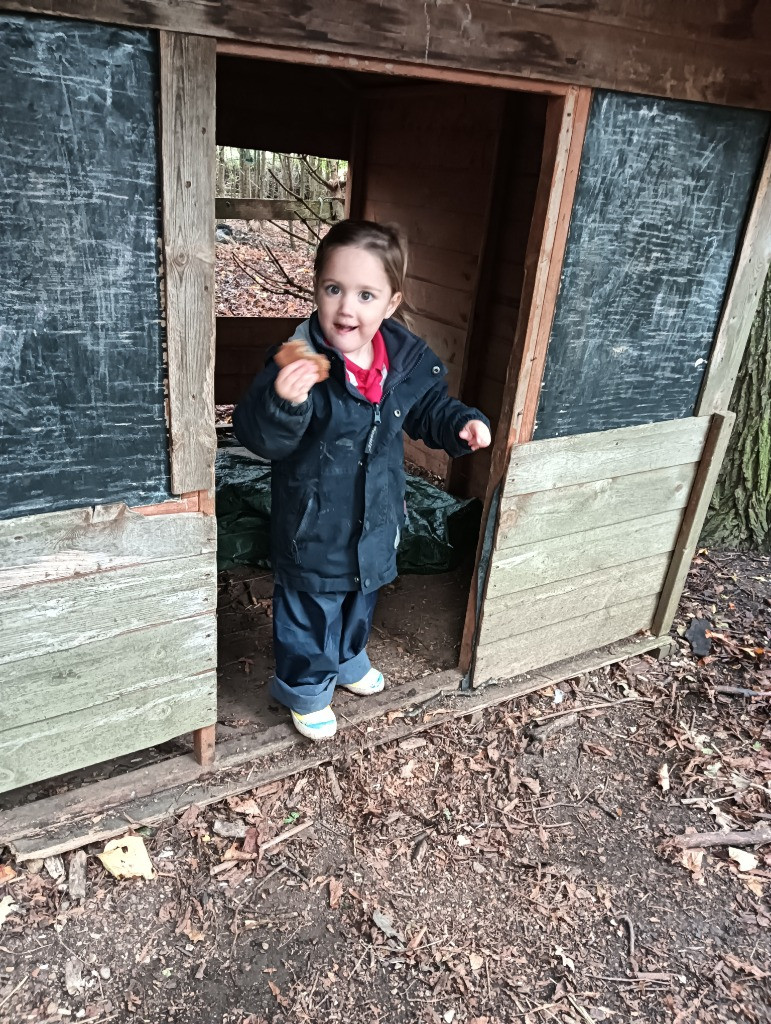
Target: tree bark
<point>739,516</point>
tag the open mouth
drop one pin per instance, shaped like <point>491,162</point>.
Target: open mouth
<point>344,328</point>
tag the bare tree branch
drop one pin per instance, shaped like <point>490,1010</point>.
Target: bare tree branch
<point>296,290</point>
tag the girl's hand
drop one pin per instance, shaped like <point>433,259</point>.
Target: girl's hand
<point>476,434</point>
<point>294,382</point>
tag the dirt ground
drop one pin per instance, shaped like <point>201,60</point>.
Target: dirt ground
<point>485,871</point>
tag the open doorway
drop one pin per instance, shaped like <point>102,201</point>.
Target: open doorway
<point>457,168</point>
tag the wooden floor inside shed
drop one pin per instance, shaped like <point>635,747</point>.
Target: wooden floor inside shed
<point>415,638</point>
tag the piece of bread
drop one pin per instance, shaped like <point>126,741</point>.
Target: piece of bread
<point>296,349</point>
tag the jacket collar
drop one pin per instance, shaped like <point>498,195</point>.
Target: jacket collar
<point>404,348</point>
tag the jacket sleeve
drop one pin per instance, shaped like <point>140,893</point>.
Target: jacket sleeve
<point>268,425</point>
<point>436,419</point>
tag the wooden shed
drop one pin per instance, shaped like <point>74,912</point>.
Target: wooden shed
<point>585,192</point>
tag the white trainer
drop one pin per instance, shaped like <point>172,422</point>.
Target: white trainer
<point>316,725</point>
<point>372,682</point>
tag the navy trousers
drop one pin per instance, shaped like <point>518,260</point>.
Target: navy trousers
<point>319,640</point>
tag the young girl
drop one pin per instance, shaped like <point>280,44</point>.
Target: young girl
<point>337,451</point>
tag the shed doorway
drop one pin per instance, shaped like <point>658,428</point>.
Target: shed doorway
<point>457,167</point>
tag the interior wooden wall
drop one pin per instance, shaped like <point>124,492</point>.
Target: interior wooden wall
<point>492,335</point>
<point>242,346</point>
<point>427,166</point>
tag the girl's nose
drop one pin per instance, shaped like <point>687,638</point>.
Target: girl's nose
<point>347,303</point>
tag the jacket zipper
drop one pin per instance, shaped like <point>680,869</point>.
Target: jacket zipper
<point>373,432</point>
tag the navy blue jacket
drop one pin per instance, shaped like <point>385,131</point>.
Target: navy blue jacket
<point>338,461</point>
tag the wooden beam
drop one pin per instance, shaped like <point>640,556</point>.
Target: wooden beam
<point>695,513</point>
<point>188,165</point>
<point>566,121</point>
<point>743,295</point>
<point>203,745</point>
<point>277,209</point>
<point>720,55</point>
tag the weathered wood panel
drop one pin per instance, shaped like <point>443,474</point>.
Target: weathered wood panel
<point>62,544</point>
<point>188,161</point>
<point>81,360</point>
<point>716,52</point>
<point>533,565</point>
<point>529,518</point>
<point>513,655</point>
<point>128,722</point>
<point>91,676</point>
<point>556,602</point>
<point>581,458</point>
<point>661,201</point>
<point>49,617</point>
<point>741,304</point>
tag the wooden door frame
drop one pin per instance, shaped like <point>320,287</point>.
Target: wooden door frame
<point>566,120</point>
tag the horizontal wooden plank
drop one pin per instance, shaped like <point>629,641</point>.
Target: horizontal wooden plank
<point>444,340</point>
<point>530,518</point>
<point>128,722</point>
<point>719,55</point>
<point>277,209</point>
<point>92,674</point>
<point>516,654</point>
<point>439,303</point>
<point>534,565</point>
<point>462,233</point>
<point>61,544</point>
<point>581,458</point>
<point>55,616</point>
<point>455,189</point>
<point>451,269</point>
<point>566,599</point>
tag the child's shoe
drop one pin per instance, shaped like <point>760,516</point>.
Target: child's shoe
<point>372,682</point>
<point>316,725</point>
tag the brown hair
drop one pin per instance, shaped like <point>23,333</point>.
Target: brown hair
<point>382,240</point>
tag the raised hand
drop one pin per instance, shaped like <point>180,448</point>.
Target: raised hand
<point>295,381</point>
<point>476,434</point>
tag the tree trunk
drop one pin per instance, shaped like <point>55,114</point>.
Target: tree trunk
<point>740,513</point>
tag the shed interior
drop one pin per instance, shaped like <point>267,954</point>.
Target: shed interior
<point>457,168</point>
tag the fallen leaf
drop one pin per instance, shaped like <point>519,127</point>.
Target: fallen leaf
<point>746,861</point>
<point>6,873</point>
<point>7,907</point>
<point>127,858</point>
<point>476,961</point>
<point>692,859</point>
<point>664,778</point>
<point>335,892</point>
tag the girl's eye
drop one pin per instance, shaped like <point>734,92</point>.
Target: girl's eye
<point>332,289</point>
<point>365,296</point>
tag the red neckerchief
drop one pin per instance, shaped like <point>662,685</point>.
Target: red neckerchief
<point>370,382</point>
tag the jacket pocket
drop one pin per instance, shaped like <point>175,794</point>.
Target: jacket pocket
<point>303,526</point>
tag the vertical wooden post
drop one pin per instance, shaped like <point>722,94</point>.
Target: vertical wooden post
<point>203,745</point>
<point>188,154</point>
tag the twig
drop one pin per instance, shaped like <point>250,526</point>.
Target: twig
<point>630,927</point>
<point>283,836</point>
<point>592,707</point>
<point>23,981</point>
<point>337,794</point>
<point>702,840</point>
<point>739,691</point>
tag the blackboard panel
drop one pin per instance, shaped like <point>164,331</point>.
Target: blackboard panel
<point>81,361</point>
<point>662,196</point>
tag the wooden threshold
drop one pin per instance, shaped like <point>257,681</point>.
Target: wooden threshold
<point>393,68</point>
<point>110,808</point>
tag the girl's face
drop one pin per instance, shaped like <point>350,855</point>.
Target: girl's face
<point>353,296</point>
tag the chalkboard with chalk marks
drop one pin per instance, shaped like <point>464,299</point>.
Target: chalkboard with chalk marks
<point>662,197</point>
<point>82,416</point>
